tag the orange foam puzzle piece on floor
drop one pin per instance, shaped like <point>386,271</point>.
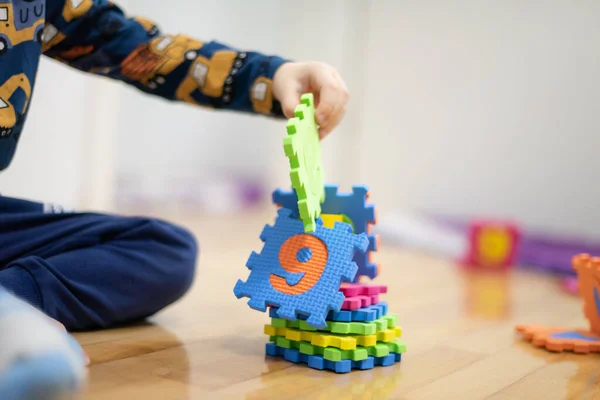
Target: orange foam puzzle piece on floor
<point>561,339</point>
<point>575,340</point>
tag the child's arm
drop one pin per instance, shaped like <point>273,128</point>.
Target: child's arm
<point>95,36</point>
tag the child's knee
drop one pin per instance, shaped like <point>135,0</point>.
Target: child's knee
<point>179,253</point>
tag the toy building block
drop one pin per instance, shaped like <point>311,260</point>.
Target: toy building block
<point>492,245</point>
<point>353,206</point>
<point>367,314</point>
<point>318,362</point>
<point>302,146</point>
<point>568,339</point>
<point>301,273</point>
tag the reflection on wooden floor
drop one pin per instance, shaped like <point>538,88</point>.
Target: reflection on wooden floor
<point>459,329</point>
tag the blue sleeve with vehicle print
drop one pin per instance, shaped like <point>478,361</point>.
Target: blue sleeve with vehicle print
<point>96,36</point>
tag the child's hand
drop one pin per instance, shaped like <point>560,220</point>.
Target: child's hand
<point>331,94</point>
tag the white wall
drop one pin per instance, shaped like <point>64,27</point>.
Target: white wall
<point>160,140</point>
<point>485,108</point>
<point>48,161</point>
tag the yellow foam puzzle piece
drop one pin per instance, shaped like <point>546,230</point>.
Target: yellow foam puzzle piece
<point>323,339</point>
<point>329,220</point>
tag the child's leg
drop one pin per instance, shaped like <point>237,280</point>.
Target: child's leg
<point>90,270</point>
<point>38,360</point>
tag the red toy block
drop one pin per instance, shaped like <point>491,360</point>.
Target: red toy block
<point>358,289</point>
<point>492,245</point>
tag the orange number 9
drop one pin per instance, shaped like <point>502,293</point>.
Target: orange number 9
<point>313,267</point>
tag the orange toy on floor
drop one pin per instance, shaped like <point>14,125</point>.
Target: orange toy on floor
<point>576,340</point>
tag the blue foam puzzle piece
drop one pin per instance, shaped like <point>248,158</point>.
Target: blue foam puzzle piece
<point>597,300</point>
<point>340,367</point>
<point>365,314</point>
<point>574,335</point>
<point>354,206</point>
<point>320,299</point>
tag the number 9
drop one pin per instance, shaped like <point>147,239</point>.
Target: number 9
<point>301,253</point>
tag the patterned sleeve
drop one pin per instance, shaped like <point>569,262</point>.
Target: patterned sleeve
<point>96,36</point>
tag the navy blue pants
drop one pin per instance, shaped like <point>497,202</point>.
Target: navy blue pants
<point>90,270</point>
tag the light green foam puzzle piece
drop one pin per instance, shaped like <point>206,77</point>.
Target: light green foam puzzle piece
<point>302,147</point>
<point>354,328</point>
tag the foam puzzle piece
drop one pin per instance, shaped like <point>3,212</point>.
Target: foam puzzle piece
<point>366,314</point>
<point>389,335</point>
<point>343,342</point>
<point>354,206</point>
<point>588,274</point>
<point>301,273</point>
<point>329,219</point>
<point>356,302</point>
<point>328,353</point>
<point>318,362</point>
<point>383,349</point>
<point>302,146</point>
<point>561,339</point>
<point>492,244</point>
<point>346,328</point>
<point>361,289</point>
<point>334,354</point>
<point>321,339</point>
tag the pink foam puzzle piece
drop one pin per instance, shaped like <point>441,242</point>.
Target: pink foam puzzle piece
<point>356,302</point>
<point>361,289</point>
<point>570,285</point>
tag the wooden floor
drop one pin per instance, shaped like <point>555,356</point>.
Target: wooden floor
<point>458,329</point>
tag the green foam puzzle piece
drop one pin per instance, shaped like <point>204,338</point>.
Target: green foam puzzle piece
<point>392,320</point>
<point>346,328</point>
<point>334,354</point>
<point>302,147</point>
<point>379,350</point>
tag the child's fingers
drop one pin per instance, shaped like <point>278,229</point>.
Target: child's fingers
<point>333,123</point>
<point>333,98</point>
<point>290,98</point>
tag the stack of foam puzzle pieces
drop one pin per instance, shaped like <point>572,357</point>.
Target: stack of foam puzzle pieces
<point>308,271</point>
